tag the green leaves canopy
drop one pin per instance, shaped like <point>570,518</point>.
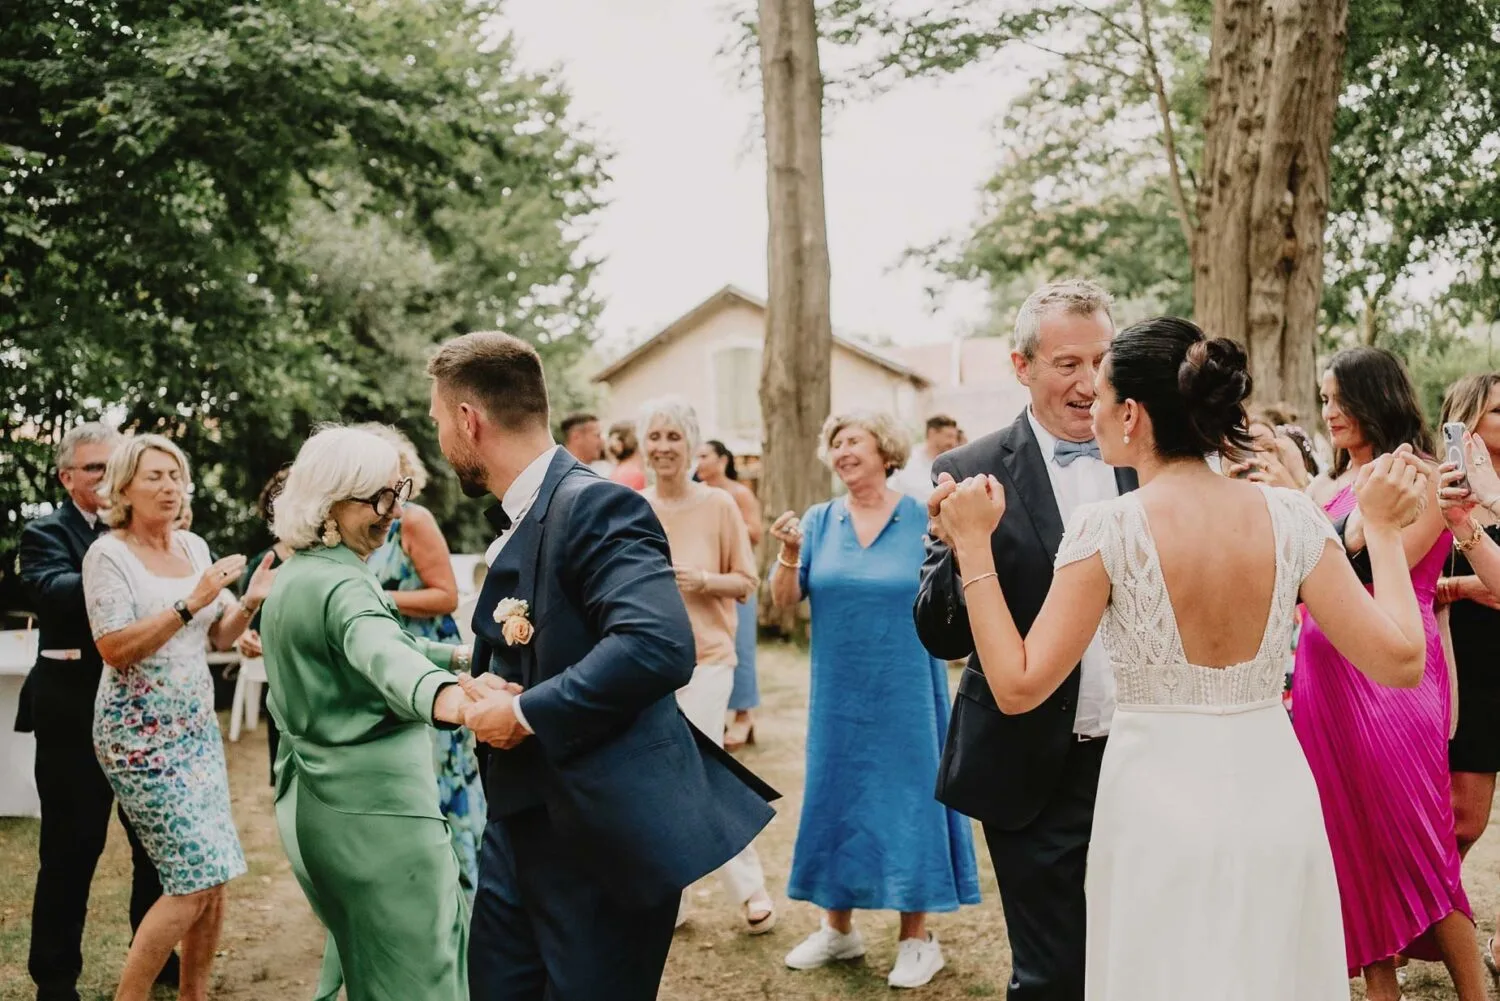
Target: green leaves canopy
<point>228,222</point>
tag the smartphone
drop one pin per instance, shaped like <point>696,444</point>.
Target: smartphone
<point>1453,449</point>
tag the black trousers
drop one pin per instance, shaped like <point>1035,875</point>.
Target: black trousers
<point>1040,869</point>
<point>543,930</point>
<point>76,800</point>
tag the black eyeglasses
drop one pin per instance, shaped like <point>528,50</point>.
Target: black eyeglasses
<point>92,468</point>
<point>386,500</point>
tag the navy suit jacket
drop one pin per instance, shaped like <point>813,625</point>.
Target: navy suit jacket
<point>51,557</point>
<point>644,800</point>
<point>996,768</point>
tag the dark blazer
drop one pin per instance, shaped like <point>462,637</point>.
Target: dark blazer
<point>51,556</point>
<point>996,768</point>
<point>648,803</point>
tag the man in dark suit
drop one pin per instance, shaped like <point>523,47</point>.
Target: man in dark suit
<point>604,803</point>
<point>57,703</point>
<point>1031,778</point>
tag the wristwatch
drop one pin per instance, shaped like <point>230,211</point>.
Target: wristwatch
<point>183,612</point>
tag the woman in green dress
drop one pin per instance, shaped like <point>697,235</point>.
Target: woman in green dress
<point>353,695</point>
<point>415,568</point>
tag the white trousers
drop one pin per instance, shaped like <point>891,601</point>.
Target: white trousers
<point>705,701</point>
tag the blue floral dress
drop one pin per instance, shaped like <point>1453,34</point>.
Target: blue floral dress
<point>155,732</point>
<point>460,789</point>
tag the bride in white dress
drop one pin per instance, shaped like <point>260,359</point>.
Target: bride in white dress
<point>1209,874</point>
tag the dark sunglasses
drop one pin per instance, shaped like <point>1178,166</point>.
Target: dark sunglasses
<point>386,500</point>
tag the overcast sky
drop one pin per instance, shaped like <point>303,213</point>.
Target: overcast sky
<point>687,212</point>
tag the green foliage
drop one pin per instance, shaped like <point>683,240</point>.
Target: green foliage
<point>1082,184</point>
<point>229,222</point>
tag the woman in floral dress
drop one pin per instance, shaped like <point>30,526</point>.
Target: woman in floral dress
<point>414,566</point>
<point>156,599</point>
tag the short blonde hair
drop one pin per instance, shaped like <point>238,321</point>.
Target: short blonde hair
<point>891,439</point>
<point>675,411</point>
<point>335,464</point>
<point>124,463</point>
<point>411,463</point>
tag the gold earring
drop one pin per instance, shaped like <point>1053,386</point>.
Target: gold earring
<point>331,535</point>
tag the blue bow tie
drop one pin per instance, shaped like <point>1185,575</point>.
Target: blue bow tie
<point>1064,452</point>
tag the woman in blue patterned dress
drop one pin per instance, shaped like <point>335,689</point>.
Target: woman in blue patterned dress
<point>414,566</point>
<point>156,599</point>
<point>872,837</point>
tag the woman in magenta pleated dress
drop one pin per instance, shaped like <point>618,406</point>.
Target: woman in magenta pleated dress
<point>1380,755</point>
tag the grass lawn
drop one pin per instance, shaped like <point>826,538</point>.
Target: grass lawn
<point>271,943</point>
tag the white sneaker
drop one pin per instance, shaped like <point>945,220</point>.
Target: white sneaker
<point>917,962</point>
<point>824,946</point>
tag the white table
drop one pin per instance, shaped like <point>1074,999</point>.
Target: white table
<point>18,797</point>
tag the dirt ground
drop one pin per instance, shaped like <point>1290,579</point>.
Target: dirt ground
<point>272,944</point>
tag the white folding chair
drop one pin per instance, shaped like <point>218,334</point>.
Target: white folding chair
<point>246,708</point>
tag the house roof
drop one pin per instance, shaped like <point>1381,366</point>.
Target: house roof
<point>731,295</point>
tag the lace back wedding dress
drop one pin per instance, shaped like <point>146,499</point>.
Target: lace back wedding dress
<point>1209,873</point>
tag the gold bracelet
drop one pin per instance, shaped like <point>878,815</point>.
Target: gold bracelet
<point>1473,540</point>
<point>781,558</point>
<point>976,580</point>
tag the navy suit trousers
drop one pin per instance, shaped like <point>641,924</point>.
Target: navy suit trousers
<point>543,930</point>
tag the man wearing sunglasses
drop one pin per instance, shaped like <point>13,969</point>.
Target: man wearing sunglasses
<point>57,704</point>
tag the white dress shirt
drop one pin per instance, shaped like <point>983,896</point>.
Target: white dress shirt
<point>1083,481</point>
<point>915,478</point>
<point>517,503</point>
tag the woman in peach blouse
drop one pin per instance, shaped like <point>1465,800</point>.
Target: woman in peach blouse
<point>715,570</point>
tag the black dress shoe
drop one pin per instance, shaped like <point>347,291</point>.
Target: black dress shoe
<point>170,973</point>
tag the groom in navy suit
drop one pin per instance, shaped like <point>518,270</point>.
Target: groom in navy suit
<point>603,801</point>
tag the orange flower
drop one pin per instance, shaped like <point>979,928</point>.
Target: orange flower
<point>516,631</point>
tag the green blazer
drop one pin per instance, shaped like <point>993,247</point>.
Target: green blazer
<point>351,690</point>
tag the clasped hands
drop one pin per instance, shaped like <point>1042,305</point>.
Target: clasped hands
<point>489,710</point>
<point>966,511</point>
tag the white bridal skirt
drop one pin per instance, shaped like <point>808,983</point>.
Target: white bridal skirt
<point>1209,874</point>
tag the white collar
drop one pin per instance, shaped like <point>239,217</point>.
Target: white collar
<point>91,517</point>
<point>524,488</point>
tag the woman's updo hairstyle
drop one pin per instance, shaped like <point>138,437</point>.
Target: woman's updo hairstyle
<point>1194,388</point>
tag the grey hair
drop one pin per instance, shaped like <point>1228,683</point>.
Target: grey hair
<point>891,439</point>
<point>1070,296</point>
<point>92,433</point>
<point>124,463</point>
<point>336,464</point>
<point>675,411</point>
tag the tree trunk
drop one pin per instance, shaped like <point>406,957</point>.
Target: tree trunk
<point>794,378</point>
<point>1274,72</point>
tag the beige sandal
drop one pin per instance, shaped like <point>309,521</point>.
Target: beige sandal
<point>760,921</point>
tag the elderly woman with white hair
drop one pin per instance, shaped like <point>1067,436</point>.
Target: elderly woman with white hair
<point>354,694</point>
<point>715,568</point>
<point>872,837</point>
<point>156,599</point>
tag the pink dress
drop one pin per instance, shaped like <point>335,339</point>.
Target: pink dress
<point>1380,759</point>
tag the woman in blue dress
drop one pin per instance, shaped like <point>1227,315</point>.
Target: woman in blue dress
<point>872,837</point>
<point>414,566</point>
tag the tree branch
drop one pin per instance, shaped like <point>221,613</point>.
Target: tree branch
<point>1169,136</point>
